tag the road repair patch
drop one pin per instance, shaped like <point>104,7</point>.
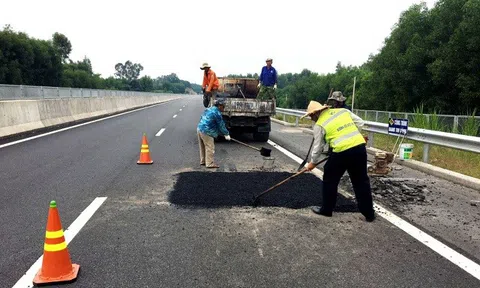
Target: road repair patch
<point>222,189</point>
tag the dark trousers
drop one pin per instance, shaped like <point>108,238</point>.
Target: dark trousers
<point>353,160</point>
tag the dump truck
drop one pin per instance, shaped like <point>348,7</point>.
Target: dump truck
<point>243,112</point>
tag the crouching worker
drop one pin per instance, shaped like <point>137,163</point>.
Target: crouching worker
<point>339,128</point>
<point>211,125</point>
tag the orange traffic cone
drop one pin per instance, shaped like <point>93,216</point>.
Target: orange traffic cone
<point>56,266</point>
<point>144,152</point>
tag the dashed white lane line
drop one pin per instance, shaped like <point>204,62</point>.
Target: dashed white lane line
<point>181,110</point>
<point>82,124</point>
<point>448,253</point>
<point>70,233</point>
<point>175,116</point>
<point>160,132</point>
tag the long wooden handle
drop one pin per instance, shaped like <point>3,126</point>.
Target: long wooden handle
<point>278,184</point>
<point>245,144</point>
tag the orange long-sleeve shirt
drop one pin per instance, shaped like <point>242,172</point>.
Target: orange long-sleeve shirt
<point>211,80</point>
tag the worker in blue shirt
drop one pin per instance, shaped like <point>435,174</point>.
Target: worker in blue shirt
<point>268,81</point>
<point>210,126</point>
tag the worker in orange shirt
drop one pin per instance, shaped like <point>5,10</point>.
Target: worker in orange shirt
<point>210,85</point>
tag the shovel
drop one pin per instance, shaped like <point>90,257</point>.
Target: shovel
<point>281,183</point>
<point>264,151</point>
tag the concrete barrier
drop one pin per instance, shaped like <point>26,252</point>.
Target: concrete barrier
<point>29,115</point>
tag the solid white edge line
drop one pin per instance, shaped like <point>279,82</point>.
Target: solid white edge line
<point>82,124</point>
<point>448,253</point>
<point>70,233</point>
<point>174,116</point>
<point>160,132</point>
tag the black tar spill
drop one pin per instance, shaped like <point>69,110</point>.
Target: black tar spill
<point>221,189</point>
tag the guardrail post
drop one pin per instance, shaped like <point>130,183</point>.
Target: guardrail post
<point>376,116</point>
<point>455,124</point>
<point>370,139</point>
<point>426,150</point>
<point>296,121</point>
<point>284,118</point>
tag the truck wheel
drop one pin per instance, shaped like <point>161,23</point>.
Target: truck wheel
<point>261,136</point>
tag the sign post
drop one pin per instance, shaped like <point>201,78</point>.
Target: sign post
<point>397,127</point>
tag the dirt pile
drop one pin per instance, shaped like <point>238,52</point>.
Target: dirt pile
<point>396,193</point>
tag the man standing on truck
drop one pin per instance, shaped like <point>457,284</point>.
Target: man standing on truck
<point>210,84</point>
<point>339,128</point>
<point>210,126</point>
<point>268,81</point>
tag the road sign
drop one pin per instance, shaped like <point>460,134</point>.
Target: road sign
<point>397,126</point>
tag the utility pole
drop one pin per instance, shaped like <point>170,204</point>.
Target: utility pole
<point>353,95</point>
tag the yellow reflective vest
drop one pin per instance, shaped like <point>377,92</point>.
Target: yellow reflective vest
<point>341,133</point>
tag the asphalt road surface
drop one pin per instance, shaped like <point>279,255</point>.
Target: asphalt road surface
<point>177,224</point>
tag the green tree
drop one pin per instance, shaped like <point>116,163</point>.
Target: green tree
<point>62,45</point>
<point>129,71</point>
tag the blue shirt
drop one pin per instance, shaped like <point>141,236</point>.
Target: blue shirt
<point>268,76</point>
<point>211,123</point>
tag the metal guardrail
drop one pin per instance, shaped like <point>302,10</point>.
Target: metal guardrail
<point>450,123</point>
<point>19,92</point>
<point>444,139</point>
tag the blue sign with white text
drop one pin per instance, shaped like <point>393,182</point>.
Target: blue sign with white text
<point>397,126</point>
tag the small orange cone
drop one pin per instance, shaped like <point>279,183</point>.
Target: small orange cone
<point>144,152</point>
<point>56,266</point>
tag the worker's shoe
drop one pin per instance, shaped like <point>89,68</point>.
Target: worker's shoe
<point>318,210</point>
<point>202,164</point>
<point>213,166</point>
<point>370,218</point>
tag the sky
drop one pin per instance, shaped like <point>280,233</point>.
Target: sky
<point>234,37</point>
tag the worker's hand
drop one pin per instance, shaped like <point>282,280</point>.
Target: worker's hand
<point>259,84</point>
<point>310,166</point>
<point>275,87</point>
<point>227,137</point>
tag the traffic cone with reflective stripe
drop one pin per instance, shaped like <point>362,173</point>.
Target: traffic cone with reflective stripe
<point>56,266</point>
<point>144,152</point>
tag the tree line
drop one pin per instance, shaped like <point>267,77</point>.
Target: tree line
<point>431,59</point>
<point>28,61</point>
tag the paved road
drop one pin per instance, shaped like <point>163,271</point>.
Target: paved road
<point>175,224</point>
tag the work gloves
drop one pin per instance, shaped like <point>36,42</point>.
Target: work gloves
<point>227,137</point>
<point>259,84</point>
<point>275,87</point>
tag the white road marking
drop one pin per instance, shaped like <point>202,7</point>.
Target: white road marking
<point>79,125</point>
<point>160,132</point>
<point>180,109</point>
<point>70,233</point>
<point>448,253</point>
<point>174,116</point>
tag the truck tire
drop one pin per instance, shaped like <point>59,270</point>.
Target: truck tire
<point>261,136</point>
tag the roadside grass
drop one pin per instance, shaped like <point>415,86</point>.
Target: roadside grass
<point>467,163</point>
<point>291,119</point>
<point>464,162</point>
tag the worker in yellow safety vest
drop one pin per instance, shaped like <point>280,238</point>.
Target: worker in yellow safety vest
<point>337,130</point>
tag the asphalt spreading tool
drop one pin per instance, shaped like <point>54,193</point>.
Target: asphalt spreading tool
<point>255,199</point>
<point>264,151</point>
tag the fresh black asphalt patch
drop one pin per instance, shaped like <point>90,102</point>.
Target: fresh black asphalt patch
<point>223,189</point>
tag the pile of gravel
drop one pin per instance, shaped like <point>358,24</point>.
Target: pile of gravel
<point>397,193</point>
